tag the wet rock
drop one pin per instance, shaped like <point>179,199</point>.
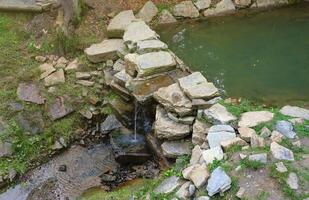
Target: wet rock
<point>74,65</point>
<point>174,100</point>
<point>261,157</point>
<point>119,65</point>
<point>218,182</point>
<point>119,23</point>
<point>246,133</point>
<point>233,142</point>
<point>165,128</point>
<point>199,175</point>
<point>148,46</point>
<point>223,7</point>
<point>122,110</point>
<point>106,50</point>
<point>212,154</point>
<point>59,108</point>
<point>173,149</point>
<point>46,70</point>
<point>265,132</point>
<point>5,149</point>
<point>168,185</point>
<point>82,75</point>
<point>138,31</point>
<point>30,92</point>
<point>254,118</point>
<point>195,86</point>
<point>31,122</point>
<point>196,155</point>
<point>294,111</point>
<point>55,78</point>
<point>280,167</point>
<point>148,11</point>
<point>257,141</point>
<point>218,114</point>
<point>185,9</point>
<point>85,83</point>
<point>111,123</point>
<point>218,134</point>
<point>202,4</point>
<point>292,181</point>
<point>200,130</point>
<point>276,136</point>
<point>153,145</point>
<point>280,152</point>
<point>286,128</point>
<point>166,17</point>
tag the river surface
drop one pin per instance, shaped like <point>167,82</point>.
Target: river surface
<point>262,56</point>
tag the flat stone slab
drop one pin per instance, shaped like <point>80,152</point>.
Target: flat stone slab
<point>148,46</point>
<point>20,5</point>
<point>59,108</point>
<point>165,128</point>
<point>174,100</point>
<point>224,6</point>
<point>186,9</point>
<point>220,133</point>
<point>168,185</point>
<point>261,157</point>
<point>138,31</point>
<point>280,152</point>
<point>119,23</point>
<point>30,92</point>
<point>286,128</point>
<point>106,50</point>
<point>218,114</point>
<point>254,118</point>
<point>55,78</point>
<point>218,182</point>
<point>294,111</point>
<point>148,11</point>
<point>173,149</point>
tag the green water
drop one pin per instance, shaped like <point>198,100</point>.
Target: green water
<point>260,56</point>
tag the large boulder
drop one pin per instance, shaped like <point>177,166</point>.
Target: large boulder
<point>224,6</point>
<point>166,17</point>
<point>165,128</point>
<point>173,149</point>
<point>148,11</point>
<point>138,31</point>
<point>294,111</point>
<point>185,9</point>
<point>218,114</point>
<point>106,50</point>
<point>119,23</point>
<point>168,185</point>
<point>286,128</point>
<point>195,86</point>
<point>220,133</point>
<point>254,118</point>
<point>280,152</point>
<point>218,182</point>
<point>30,92</point>
<point>174,100</point>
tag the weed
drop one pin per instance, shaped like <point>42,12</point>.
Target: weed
<point>251,164</point>
<point>262,196</point>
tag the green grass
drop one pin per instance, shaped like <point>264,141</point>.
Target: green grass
<point>251,164</point>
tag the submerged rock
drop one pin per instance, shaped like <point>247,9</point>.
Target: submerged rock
<point>294,111</point>
<point>30,92</point>
<point>220,133</point>
<point>119,23</point>
<point>166,17</point>
<point>218,114</point>
<point>148,11</point>
<point>286,128</point>
<point>185,9</point>
<point>168,185</point>
<point>218,182</point>
<point>254,118</point>
<point>280,152</point>
<point>173,149</point>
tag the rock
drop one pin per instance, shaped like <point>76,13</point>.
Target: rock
<point>292,181</point>
<point>257,141</point>
<point>183,192</point>
<point>119,65</point>
<point>195,86</point>
<point>55,78</point>
<point>286,128</point>
<point>183,120</point>
<point>121,78</point>
<point>218,182</point>
<point>185,9</point>
<point>62,168</point>
<point>212,154</point>
<point>242,156</point>
<point>202,4</point>
<point>199,175</point>
<point>85,83</point>
<point>30,92</point>
<point>106,50</point>
<point>223,7</point>
<point>110,124</point>
<point>186,172</point>
<point>233,142</point>
<point>166,17</point>
<point>86,113</point>
<point>174,100</point>
<point>202,104</point>
<point>241,192</point>
<point>59,108</point>
<point>148,11</point>
<point>196,155</point>
<point>6,149</point>
<point>82,75</point>
<point>276,136</point>
<point>138,31</point>
<point>168,185</point>
<point>119,23</point>
<point>165,128</point>
<point>31,123</point>
<point>200,131</point>
<point>254,118</point>
<point>218,114</point>
<point>297,121</point>
<point>122,110</point>
<point>152,63</point>
<point>203,198</point>
<point>242,3</point>
<point>294,111</point>
<point>148,46</point>
<point>12,174</point>
<point>46,70</point>
<point>173,149</point>
<point>192,190</point>
<point>218,134</point>
<point>280,167</point>
<point>246,133</point>
<point>61,63</point>
<point>265,132</point>
<point>40,58</point>
<point>280,152</point>
<point>268,3</point>
<point>261,157</point>
<point>109,63</point>
<point>74,65</point>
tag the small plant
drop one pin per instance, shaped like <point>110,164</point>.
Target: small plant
<point>251,164</point>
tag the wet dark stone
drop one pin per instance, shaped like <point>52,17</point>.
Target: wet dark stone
<point>31,122</point>
<point>59,108</point>
<point>30,92</point>
<point>111,123</point>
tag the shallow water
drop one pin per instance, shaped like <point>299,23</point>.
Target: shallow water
<point>261,56</point>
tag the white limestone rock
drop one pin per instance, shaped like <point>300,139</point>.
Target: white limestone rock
<point>148,11</point>
<point>254,118</point>
<point>218,114</point>
<point>119,23</point>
